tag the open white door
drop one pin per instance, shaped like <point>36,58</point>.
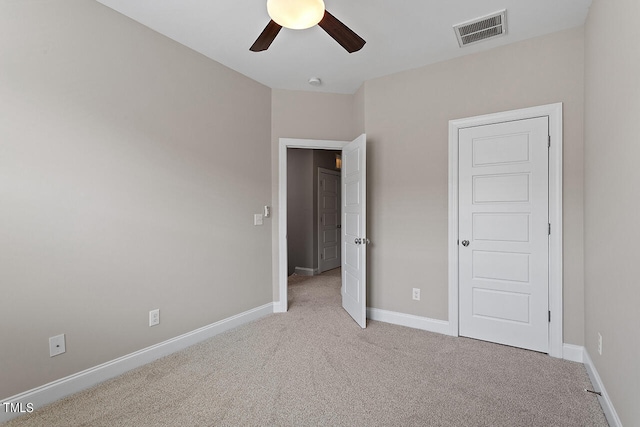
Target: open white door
<point>354,226</point>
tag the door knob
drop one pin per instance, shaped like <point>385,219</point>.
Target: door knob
<point>465,243</point>
<point>358,241</point>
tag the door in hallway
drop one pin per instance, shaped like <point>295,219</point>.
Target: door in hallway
<point>329,227</point>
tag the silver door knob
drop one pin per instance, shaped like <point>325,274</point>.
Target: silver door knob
<point>366,241</point>
<point>465,243</point>
<point>357,241</point>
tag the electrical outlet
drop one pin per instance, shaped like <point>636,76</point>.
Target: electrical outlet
<point>416,294</point>
<point>57,345</point>
<point>154,317</point>
<point>599,344</point>
<point>257,219</point>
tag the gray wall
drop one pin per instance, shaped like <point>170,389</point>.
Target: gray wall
<point>358,110</point>
<point>612,150</point>
<point>124,187</point>
<point>300,215</point>
<point>406,121</point>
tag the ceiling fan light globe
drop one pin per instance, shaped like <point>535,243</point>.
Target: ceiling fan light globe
<point>296,14</point>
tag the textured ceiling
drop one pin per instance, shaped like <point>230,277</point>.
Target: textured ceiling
<point>400,35</point>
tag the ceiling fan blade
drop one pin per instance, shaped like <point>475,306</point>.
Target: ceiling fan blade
<point>341,33</point>
<point>266,37</point>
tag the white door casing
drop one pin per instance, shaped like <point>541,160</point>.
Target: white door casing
<point>503,228</point>
<point>329,232</point>
<point>354,228</point>
<point>554,114</point>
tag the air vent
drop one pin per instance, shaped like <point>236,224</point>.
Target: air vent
<point>490,26</point>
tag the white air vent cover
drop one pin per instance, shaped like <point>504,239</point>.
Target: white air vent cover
<point>490,26</point>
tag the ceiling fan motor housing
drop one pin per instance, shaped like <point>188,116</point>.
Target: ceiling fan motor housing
<point>296,14</point>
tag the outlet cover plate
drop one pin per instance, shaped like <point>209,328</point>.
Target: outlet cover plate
<point>154,317</point>
<point>57,345</point>
<point>599,343</point>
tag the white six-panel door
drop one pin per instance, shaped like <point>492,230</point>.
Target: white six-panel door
<point>503,233</point>
<point>354,226</point>
<point>328,220</point>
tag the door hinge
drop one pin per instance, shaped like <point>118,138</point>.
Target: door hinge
<point>549,316</point>
<point>321,256</point>
<point>549,229</point>
<point>549,139</point>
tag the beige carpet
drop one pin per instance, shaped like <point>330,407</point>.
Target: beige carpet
<point>313,366</point>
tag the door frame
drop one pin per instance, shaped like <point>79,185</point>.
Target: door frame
<point>282,305</point>
<point>554,112</point>
<point>318,222</point>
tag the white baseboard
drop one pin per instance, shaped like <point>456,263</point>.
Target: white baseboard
<point>417,322</point>
<point>573,353</point>
<point>605,402</point>
<point>58,389</point>
<point>279,307</point>
<point>304,271</point>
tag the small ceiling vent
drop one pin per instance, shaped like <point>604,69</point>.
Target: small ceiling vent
<point>490,26</point>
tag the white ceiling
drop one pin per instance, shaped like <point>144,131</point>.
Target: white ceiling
<point>400,35</point>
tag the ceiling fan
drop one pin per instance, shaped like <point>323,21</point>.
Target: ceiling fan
<point>301,14</point>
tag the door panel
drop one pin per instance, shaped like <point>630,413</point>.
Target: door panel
<point>352,257</point>
<point>503,149</point>
<point>503,202</point>
<point>511,188</point>
<point>330,253</point>
<point>500,266</point>
<point>352,190</point>
<point>354,242</point>
<point>500,305</point>
<point>329,219</point>
<point>330,202</point>
<point>510,227</point>
<point>330,236</point>
<point>352,286</point>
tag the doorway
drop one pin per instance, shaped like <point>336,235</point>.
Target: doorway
<point>284,144</point>
<point>469,289</point>
<point>354,222</point>
<point>313,211</point>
